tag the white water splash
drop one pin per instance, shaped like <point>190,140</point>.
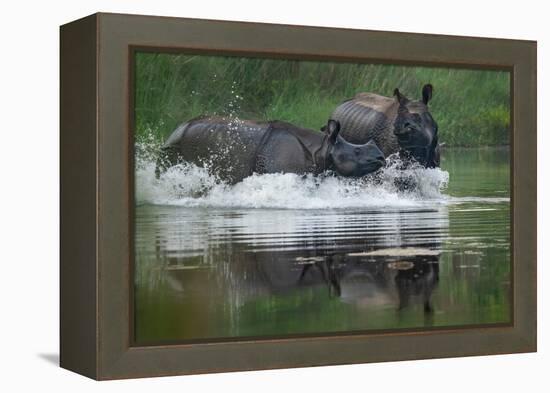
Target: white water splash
<point>190,186</point>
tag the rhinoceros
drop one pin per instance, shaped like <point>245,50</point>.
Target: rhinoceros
<point>235,149</point>
<point>395,124</point>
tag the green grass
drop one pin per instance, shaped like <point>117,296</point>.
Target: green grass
<point>470,106</point>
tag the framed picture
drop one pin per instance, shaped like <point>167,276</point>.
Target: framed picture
<point>241,196</point>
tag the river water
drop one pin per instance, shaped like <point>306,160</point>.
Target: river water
<point>282,255</point>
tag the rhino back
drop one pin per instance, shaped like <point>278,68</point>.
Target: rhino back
<point>227,148</point>
<point>368,116</point>
<point>288,149</point>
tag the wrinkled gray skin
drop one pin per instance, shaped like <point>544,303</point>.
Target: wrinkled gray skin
<point>395,124</point>
<point>235,149</point>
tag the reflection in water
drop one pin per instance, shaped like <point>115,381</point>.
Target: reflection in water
<point>206,273</point>
<point>216,272</point>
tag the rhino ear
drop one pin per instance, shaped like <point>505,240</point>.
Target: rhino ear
<point>427,93</point>
<point>400,97</point>
<point>332,129</point>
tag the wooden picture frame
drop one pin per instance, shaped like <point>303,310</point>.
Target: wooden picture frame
<point>97,201</point>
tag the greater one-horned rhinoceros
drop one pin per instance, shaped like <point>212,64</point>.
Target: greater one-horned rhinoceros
<point>395,124</point>
<point>235,149</point>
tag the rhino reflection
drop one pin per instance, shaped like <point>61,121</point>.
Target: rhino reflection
<point>382,280</point>
<point>362,281</point>
<point>332,270</point>
<point>419,281</point>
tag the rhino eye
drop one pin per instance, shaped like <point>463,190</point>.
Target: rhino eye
<point>409,127</point>
<point>357,150</point>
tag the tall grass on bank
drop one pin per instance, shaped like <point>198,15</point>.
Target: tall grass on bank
<point>472,107</point>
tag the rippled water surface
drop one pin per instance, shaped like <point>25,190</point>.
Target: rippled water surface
<point>215,261</point>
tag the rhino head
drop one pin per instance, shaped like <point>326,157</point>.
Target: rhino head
<point>415,128</point>
<point>349,159</point>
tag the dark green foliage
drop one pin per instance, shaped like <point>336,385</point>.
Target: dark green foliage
<point>470,106</point>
